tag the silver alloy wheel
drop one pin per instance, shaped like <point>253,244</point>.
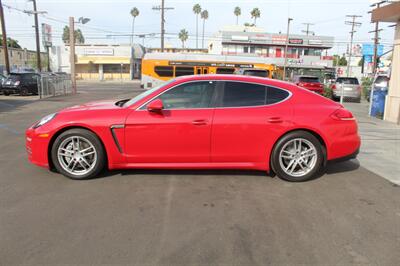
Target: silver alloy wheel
<point>77,155</point>
<point>298,157</point>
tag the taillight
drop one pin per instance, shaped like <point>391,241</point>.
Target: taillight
<point>333,87</point>
<point>300,84</point>
<point>342,114</point>
<point>16,83</point>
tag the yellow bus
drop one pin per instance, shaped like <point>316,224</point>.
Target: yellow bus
<point>160,67</point>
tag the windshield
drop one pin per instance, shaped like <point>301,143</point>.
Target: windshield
<point>14,77</point>
<point>146,93</point>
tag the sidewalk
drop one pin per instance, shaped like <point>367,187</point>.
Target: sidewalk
<point>380,143</point>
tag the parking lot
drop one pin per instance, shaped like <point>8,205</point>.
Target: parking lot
<point>350,215</point>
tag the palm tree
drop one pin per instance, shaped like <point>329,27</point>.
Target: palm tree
<point>204,16</point>
<point>237,13</point>
<point>134,13</point>
<point>197,10</point>
<point>255,14</point>
<point>183,36</point>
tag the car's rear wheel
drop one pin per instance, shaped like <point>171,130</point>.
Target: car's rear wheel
<point>78,154</point>
<point>298,156</point>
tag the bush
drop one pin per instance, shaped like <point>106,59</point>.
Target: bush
<point>327,92</point>
<point>366,84</point>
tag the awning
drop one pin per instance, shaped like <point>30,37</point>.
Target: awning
<point>103,60</point>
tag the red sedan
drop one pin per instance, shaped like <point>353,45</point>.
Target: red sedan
<point>199,122</point>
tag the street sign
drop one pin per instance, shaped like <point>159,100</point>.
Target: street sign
<point>368,49</point>
<point>46,35</point>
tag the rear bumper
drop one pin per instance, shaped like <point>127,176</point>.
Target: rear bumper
<point>347,157</point>
<point>347,94</point>
<point>316,90</point>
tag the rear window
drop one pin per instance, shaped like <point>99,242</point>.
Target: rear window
<point>309,79</point>
<point>164,71</point>
<point>349,81</point>
<point>257,73</point>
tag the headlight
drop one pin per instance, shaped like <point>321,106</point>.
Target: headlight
<point>45,120</point>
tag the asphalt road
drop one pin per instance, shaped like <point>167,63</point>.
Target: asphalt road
<point>348,216</point>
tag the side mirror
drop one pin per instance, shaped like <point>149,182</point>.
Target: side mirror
<point>155,106</point>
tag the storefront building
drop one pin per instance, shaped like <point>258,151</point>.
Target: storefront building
<point>100,62</point>
<point>306,53</point>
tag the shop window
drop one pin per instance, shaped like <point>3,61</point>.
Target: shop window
<point>164,71</point>
<point>115,68</point>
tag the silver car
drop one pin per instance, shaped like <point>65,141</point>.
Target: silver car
<point>348,87</point>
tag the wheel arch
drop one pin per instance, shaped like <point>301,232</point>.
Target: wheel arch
<point>62,130</point>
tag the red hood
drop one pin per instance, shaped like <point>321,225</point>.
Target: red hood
<point>99,105</point>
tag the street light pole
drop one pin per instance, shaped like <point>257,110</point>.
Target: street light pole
<point>4,35</point>
<point>72,53</point>
<point>286,47</point>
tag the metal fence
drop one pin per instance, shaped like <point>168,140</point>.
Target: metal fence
<point>52,85</point>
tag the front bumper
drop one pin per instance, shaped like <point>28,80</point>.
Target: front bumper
<point>37,143</point>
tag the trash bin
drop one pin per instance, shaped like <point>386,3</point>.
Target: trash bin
<point>378,102</point>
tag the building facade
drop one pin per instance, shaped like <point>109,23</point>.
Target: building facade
<point>99,62</point>
<point>21,60</point>
<point>305,54</point>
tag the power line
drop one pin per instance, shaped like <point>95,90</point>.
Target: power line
<point>307,30</point>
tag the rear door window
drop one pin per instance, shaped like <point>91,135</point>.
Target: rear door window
<point>275,95</point>
<point>241,94</point>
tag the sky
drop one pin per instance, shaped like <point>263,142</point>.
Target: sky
<point>109,19</point>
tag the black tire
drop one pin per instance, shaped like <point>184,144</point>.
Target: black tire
<point>90,136</point>
<point>315,171</point>
<point>23,91</point>
<point>6,93</point>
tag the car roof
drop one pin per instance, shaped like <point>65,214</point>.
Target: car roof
<point>233,77</point>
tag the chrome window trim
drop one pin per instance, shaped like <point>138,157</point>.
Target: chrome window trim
<point>216,80</point>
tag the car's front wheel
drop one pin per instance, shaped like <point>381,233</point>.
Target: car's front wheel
<point>298,156</point>
<point>78,154</point>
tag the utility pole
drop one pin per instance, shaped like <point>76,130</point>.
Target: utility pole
<point>4,35</point>
<point>376,39</point>
<point>307,31</point>
<point>162,8</point>
<point>286,47</point>
<point>72,52</point>
<point>35,13</point>
<point>353,24</point>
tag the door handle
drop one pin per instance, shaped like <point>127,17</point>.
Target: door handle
<point>275,120</point>
<point>199,122</point>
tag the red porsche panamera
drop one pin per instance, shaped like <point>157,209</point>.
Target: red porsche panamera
<point>199,122</point>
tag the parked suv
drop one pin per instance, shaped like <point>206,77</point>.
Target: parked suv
<point>349,87</point>
<point>311,83</point>
<point>21,83</point>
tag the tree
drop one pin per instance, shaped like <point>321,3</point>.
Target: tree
<point>33,62</point>
<point>196,11</point>
<point>255,14</point>
<point>237,11</point>
<point>79,39</point>
<point>339,60</point>
<point>134,13</point>
<point>204,16</point>
<point>10,42</point>
<point>183,36</point>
